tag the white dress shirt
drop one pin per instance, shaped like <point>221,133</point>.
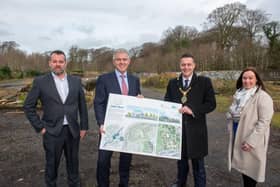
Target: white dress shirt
<point>63,90</point>
<point>189,80</point>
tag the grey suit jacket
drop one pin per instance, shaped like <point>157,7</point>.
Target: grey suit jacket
<point>44,90</point>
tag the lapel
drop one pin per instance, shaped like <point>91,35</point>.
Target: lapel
<point>194,80</point>
<point>180,82</point>
<point>130,84</point>
<point>53,88</point>
<point>70,86</point>
<point>116,83</point>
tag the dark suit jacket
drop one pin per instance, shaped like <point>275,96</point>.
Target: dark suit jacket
<point>201,100</point>
<point>106,84</point>
<point>44,89</point>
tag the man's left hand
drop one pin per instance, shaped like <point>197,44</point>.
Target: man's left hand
<point>186,110</point>
<point>82,133</point>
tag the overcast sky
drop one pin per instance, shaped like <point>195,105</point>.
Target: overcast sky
<point>43,25</point>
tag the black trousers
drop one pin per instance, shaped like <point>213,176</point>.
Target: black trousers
<point>104,165</point>
<point>198,169</point>
<point>54,146</point>
<point>248,181</point>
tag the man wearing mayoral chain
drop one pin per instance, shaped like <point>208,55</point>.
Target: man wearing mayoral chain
<point>197,97</point>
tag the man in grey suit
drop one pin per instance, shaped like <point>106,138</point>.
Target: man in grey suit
<point>63,102</point>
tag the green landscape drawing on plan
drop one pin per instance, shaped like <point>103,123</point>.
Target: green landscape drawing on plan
<point>113,138</point>
<point>140,137</point>
<point>168,140</point>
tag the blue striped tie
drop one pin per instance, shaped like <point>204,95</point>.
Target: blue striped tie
<point>186,84</point>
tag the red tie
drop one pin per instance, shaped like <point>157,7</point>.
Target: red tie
<point>124,86</point>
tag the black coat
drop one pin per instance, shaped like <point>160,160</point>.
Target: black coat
<point>201,100</point>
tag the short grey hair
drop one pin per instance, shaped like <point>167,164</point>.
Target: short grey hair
<point>121,50</point>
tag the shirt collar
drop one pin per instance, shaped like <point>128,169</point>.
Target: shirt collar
<point>189,78</point>
<point>56,77</point>
<point>119,73</point>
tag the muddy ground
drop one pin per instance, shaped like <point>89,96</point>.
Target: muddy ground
<point>22,157</point>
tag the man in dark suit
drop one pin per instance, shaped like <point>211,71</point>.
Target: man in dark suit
<point>62,99</point>
<point>197,97</point>
<point>118,82</point>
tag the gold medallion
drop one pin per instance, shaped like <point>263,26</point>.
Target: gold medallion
<point>184,99</point>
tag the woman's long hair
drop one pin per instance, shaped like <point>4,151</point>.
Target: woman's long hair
<point>259,82</point>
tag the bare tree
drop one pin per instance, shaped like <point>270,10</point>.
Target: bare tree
<point>73,53</point>
<point>7,46</point>
<point>78,58</point>
<point>102,57</point>
<point>253,21</point>
<point>179,37</point>
<point>223,20</point>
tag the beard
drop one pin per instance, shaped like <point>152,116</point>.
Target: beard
<point>58,71</point>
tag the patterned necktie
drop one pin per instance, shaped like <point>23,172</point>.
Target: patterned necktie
<point>186,84</point>
<point>124,86</point>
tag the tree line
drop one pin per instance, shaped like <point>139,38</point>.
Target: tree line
<point>233,37</point>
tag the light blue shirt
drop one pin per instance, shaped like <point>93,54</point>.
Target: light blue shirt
<point>63,90</point>
<point>118,74</point>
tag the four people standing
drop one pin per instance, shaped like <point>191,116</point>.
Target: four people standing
<point>118,82</point>
<point>249,117</point>
<point>63,103</point>
<point>198,98</point>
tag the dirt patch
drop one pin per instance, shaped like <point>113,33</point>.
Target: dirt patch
<point>22,157</point>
